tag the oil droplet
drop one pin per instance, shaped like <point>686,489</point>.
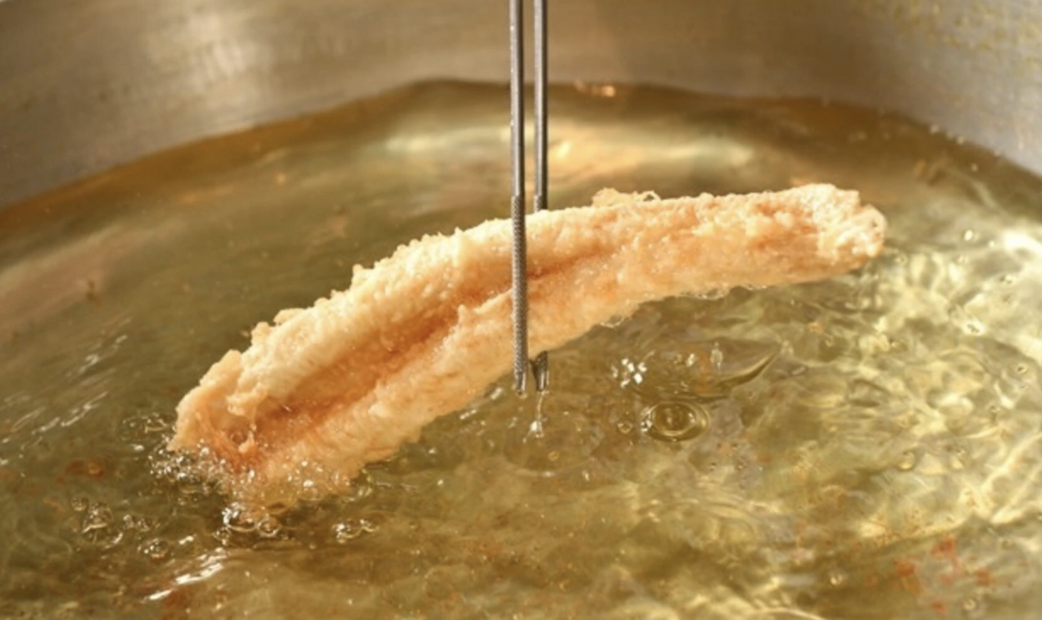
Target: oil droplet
<point>907,461</point>
<point>674,421</point>
<point>837,577</point>
<point>973,328</point>
<point>624,427</point>
<point>969,604</point>
<point>223,536</point>
<point>716,358</point>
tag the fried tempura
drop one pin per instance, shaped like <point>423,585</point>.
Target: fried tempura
<point>344,383</point>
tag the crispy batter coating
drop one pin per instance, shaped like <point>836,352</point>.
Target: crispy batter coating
<point>329,389</point>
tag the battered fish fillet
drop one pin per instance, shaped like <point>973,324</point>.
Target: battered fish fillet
<point>344,383</point>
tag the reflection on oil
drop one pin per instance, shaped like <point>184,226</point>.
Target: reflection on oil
<point>866,447</point>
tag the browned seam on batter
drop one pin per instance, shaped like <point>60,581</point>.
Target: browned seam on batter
<point>284,423</point>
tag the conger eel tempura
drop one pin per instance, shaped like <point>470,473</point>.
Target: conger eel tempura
<point>344,383</point>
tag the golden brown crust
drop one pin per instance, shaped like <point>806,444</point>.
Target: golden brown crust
<point>422,333</point>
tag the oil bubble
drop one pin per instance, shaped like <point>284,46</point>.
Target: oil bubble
<point>268,527</point>
<point>97,517</point>
<point>674,421</point>
<point>136,523</point>
<point>907,461</point>
<point>156,549</point>
<point>237,520</point>
<point>352,529</point>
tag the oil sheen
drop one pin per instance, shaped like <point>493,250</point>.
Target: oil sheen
<point>862,448</point>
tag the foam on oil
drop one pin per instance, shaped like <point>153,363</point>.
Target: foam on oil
<point>866,447</point>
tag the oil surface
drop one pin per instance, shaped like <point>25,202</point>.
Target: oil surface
<point>862,448</point>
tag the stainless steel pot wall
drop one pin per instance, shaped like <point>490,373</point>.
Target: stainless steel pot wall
<point>87,84</point>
